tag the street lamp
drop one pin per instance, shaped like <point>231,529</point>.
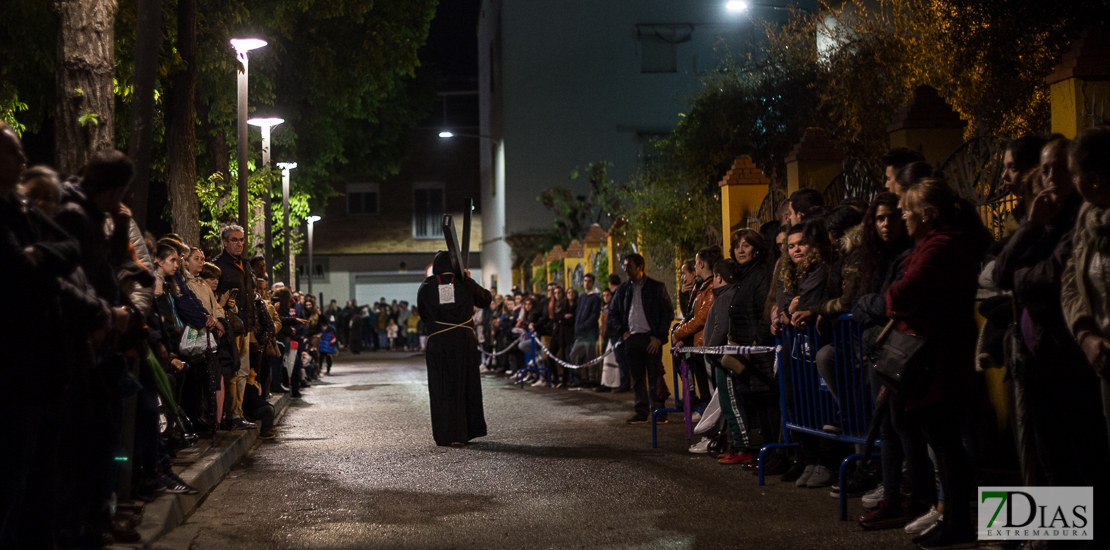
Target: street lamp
<point>242,47</point>
<point>285,168</point>
<point>739,6</point>
<point>265,124</point>
<point>311,266</point>
<point>496,255</point>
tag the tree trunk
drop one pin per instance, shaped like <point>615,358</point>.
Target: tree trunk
<point>148,40</point>
<point>181,130</point>
<point>85,103</point>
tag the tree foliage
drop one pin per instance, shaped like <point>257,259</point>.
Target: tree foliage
<point>848,70</point>
<point>344,74</point>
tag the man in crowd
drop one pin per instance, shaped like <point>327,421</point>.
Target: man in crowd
<point>258,267</point>
<point>894,161</point>
<point>237,277</point>
<point>614,337</point>
<point>586,330</point>
<point>641,312</point>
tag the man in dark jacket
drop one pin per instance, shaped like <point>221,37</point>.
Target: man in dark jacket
<point>641,312</point>
<point>235,274</point>
<point>586,329</point>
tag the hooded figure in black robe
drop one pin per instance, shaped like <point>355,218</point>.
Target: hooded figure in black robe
<point>454,385</point>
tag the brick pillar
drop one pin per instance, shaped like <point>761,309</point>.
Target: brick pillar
<point>742,191</point>
<point>572,259</point>
<point>1080,84</point>
<point>539,271</point>
<point>555,255</point>
<point>929,125</point>
<point>592,242</point>
<point>814,162</point>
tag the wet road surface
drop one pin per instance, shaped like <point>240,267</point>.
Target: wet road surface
<point>355,467</point>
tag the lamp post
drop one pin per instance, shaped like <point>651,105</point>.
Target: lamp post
<point>285,168</point>
<point>242,47</point>
<point>267,231</point>
<point>496,254</point>
<point>737,6</point>
<point>311,266</point>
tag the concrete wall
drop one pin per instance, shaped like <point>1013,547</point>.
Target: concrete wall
<point>562,83</point>
<point>351,276</point>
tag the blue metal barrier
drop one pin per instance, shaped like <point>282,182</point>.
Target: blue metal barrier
<point>681,399</point>
<point>533,362</point>
<point>810,406</point>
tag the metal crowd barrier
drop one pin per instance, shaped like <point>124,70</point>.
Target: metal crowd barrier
<point>808,403</point>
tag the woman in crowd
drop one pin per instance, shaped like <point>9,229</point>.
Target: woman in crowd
<point>885,245</point>
<point>802,284</point>
<point>690,333</point>
<point>756,388</point>
<point>610,369</point>
<point>934,300</point>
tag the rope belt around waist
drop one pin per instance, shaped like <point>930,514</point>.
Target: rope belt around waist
<point>451,326</point>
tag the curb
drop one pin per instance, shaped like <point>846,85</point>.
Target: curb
<point>170,510</point>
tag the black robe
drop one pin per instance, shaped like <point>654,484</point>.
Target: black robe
<point>454,385</point>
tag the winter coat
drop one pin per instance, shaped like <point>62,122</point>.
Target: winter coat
<point>1032,266</point>
<point>235,274</point>
<point>844,294</point>
<point>207,299</point>
<point>586,319</point>
<point>657,309</point>
<point>691,330</point>
<point>935,299</point>
<point>715,331</point>
<point>1078,303</point>
<point>750,327</point>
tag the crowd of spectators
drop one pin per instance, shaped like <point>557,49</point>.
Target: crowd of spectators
<point>381,326</point>
<point>126,348</point>
<point>916,259</point>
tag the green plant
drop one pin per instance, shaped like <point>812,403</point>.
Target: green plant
<point>88,118</point>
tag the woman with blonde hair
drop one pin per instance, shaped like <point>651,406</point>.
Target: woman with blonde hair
<point>935,300</point>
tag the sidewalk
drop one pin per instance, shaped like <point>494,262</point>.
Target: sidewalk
<point>202,466</point>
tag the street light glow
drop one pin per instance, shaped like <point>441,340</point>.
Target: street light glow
<point>446,134</point>
<point>736,5</point>
<point>265,122</point>
<point>244,45</point>
<point>313,219</point>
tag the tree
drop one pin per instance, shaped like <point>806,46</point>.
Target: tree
<point>181,125</point>
<point>84,99</point>
<point>141,129</point>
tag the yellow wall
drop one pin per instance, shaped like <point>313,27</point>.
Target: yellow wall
<point>812,174</point>
<point>1070,104</point>
<point>737,201</point>
<point>936,144</point>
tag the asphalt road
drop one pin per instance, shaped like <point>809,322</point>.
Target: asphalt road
<point>355,467</point>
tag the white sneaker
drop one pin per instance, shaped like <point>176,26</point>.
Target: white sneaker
<point>924,522</point>
<point>700,447</point>
<point>804,479</point>
<point>821,477</point>
<point>872,498</point>
<point>539,382</point>
<point>695,416</point>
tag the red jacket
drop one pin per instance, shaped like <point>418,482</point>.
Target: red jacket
<point>696,323</point>
<point>935,299</point>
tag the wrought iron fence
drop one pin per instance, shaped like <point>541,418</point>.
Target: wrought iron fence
<point>855,181</point>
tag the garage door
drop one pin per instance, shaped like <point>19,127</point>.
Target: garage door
<point>371,288</point>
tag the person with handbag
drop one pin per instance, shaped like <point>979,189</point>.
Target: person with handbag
<point>885,245</point>
<point>933,304</point>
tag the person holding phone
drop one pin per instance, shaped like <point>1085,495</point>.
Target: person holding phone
<point>236,276</point>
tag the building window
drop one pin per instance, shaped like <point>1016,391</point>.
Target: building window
<point>659,46</point>
<point>427,210</point>
<point>320,271</point>
<point>362,198</point>
<point>658,50</point>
